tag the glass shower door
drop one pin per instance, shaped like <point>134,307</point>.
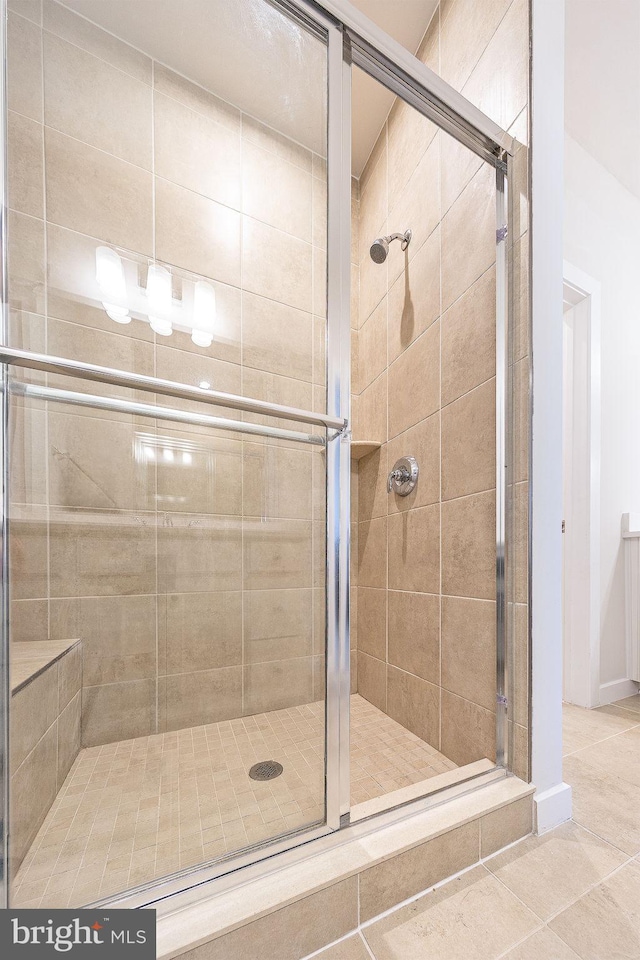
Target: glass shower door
<point>168,471</point>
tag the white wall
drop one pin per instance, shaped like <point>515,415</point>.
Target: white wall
<point>602,238</point>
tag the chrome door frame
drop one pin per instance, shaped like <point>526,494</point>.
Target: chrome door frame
<point>5,688</point>
<point>352,39</point>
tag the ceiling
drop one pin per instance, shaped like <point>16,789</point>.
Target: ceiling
<point>602,83</point>
<point>250,54</point>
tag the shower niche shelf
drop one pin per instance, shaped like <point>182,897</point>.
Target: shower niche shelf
<point>362,448</point>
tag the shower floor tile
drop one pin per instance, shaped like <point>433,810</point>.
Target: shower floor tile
<point>133,811</point>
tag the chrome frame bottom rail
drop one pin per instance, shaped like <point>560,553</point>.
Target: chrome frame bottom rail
<point>36,392</point>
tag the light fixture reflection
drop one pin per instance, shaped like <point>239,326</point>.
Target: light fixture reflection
<point>159,299</point>
<point>204,314</point>
<point>125,294</point>
<point>112,284</point>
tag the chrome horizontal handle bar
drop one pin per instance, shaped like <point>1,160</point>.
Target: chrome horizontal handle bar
<point>183,391</point>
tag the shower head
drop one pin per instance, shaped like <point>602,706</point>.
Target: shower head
<point>379,249</point>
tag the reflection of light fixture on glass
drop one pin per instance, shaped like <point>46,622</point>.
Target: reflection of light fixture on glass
<point>187,459</point>
<point>110,279</point>
<point>168,455</point>
<point>204,314</point>
<point>204,385</point>
<point>159,299</point>
<point>149,453</point>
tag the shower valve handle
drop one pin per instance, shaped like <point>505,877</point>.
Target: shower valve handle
<point>397,476</point>
<point>404,476</point>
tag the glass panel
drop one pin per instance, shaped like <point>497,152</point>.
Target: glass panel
<point>424,614</point>
<point>185,205</point>
<point>167,579</point>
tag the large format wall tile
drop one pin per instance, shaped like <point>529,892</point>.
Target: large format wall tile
<point>469,339</point>
<point>277,338</point>
<point>414,550</point>
<point>422,442</point>
<point>194,151</point>
<point>466,30</point>
<point>263,247</point>
<point>469,443</point>
<point>372,616</point>
<point>469,236</point>
<point>29,570</point>
<point>101,553</point>
<point>33,790</point>
<point>409,135</point>
<point>255,132</point>
<point>469,649</point>
<point>26,263</point>
<point>469,546</point>
<point>97,194</point>
<point>89,99</point>
<point>468,730</point>
<point>192,699</point>
<point>277,624</point>
<point>93,464</point>
<point>69,736</point>
<point>372,680</point>
<point>25,168</point>
<point>277,683</point>
<point>415,704</point>
<point>70,671</point>
<point>414,633</point>
<point>82,33</point>
<point>372,345</point>
<point>372,553</point>
<point>195,97</point>
<point>276,554</point>
<point>34,709</point>
<point>24,67</point>
<point>197,233</point>
<point>198,473</point>
<point>276,192</point>
<point>417,209</point>
<point>118,636</point>
<point>414,298</point>
<point>506,57</point>
<point>118,711</point>
<point>370,416</point>
<point>276,481</point>
<point>199,554</point>
<point>414,382</point>
<point>199,631</point>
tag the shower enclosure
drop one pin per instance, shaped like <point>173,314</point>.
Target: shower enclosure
<point>187,284</point>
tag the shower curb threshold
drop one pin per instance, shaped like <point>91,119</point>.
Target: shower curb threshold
<point>221,915</point>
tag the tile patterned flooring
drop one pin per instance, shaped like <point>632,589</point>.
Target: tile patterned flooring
<point>135,810</point>
<point>571,894</point>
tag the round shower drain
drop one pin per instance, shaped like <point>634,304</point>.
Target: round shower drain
<point>266,770</point>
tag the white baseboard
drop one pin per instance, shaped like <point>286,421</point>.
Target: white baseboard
<point>552,807</point>
<point>617,690</point>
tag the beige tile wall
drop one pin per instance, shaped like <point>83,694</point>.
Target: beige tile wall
<point>425,386</point>
<point>195,578</point>
<point>44,744</point>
